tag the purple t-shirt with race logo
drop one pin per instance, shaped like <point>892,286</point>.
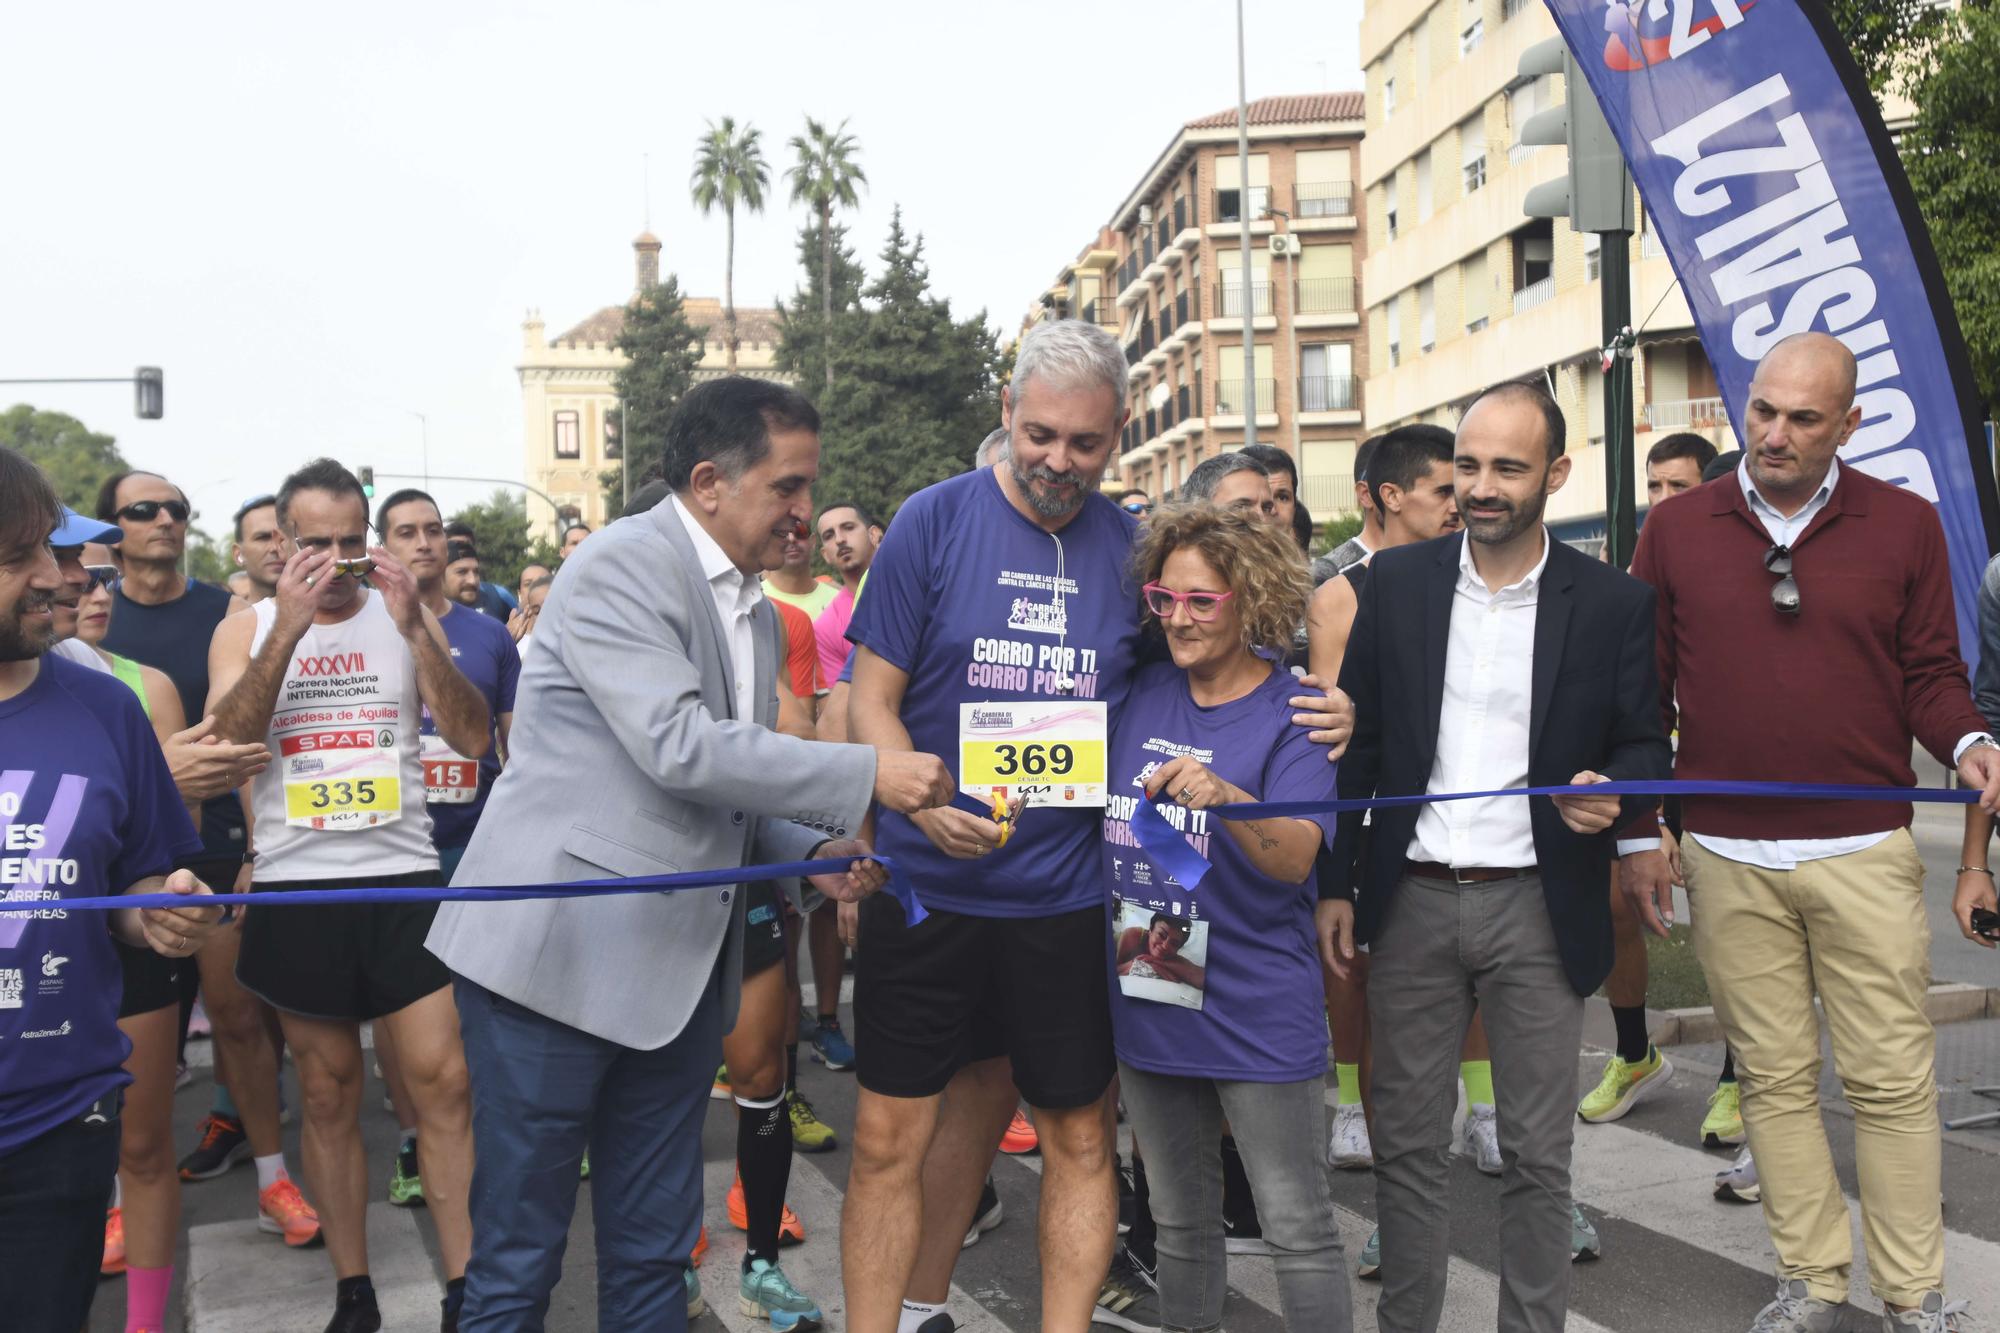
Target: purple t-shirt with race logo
<point>87,808</point>
<point>976,604</point>
<point>1222,981</point>
<point>485,654</point>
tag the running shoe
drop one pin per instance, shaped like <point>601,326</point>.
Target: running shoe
<point>583,1172</point>
<point>1020,1136</point>
<point>809,1132</point>
<point>1583,1242</point>
<point>1371,1257</point>
<point>1797,1310</point>
<point>223,1144</point>
<point>113,1262</point>
<point>406,1186</point>
<point>830,1045</point>
<point>1349,1148</point>
<point>721,1092</point>
<point>1934,1315</point>
<point>989,1215</point>
<point>1482,1138</point>
<point>283,1211</point>
<point>1624,1086</point>
<point>697,1307</point>
<point>359,1314</point>
<point>1737,1182</point>
<point>791,1231</point>
<point>1723,1125</point>
<point>1127,1300</point>
<point>764,1292</point>
<point>700,1249</point>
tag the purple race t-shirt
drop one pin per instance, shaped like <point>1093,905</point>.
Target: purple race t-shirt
<point>485,654</point>
<point>1222,981</point>
<point>965,595</point>
<point>87,808</point>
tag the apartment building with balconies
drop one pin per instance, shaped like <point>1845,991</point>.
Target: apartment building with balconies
<point>1203,340</point>
<point>1463,290</point>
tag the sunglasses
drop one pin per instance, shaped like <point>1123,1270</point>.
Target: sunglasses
<point>145,511</point>
<point>1201,606</point>
<point>1785,592</point>
<point>1137,507</point>
<point>360,567</point>
<point>101,576</point>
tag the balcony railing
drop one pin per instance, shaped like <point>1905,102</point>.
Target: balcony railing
<point>1229,299</point>
<point>1325,296</point>
<point>1521,152</point>
<point>1534,294</point>
<point>1687,414</point>
<point>1509,8</point>
<point>1326,393</point>
<point>1181,304</point>
<point>1167,325</point>
<point>1230,396</point>
<point>1183,401</point>
<point>1327,493</point>
<point>1163,233</point>
<point>1229,202</point>
<point>1323,199</point>
<point>1146,247</point>
<point>1102,311</point>
<point>1180,216</point>
<point>1128,272</point>
<point>1152,425</point>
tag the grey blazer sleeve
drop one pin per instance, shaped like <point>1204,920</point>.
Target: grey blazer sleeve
<point>622,652</point>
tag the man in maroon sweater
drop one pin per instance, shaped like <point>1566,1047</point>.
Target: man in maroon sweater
<point>1806,633</point>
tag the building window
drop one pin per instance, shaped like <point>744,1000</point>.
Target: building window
<point>1472,153</point>
<point>1326,377</point>
<point>1469,40</point>
<point>1593,256</point>
<point>1389,218</point>
<point>1395,322</point>
<point>569,435</point>
<point>1388,97</point>
<point>1426,314</point>
<point>1424,196</point>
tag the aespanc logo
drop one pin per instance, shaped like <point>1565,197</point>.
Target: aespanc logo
<point>1650,32</point>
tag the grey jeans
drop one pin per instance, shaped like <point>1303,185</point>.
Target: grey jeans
<point>1279,1129</point>
<point>1440,946</point>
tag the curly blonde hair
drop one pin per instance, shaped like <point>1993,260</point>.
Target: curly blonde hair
<point>1258,561</point>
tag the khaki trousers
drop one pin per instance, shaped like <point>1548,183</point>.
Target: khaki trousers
<point>1853,928</point>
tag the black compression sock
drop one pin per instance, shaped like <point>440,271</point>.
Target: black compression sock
<point>792,1065</point>
<point>1633,1043</point>
<point>764,1160</point>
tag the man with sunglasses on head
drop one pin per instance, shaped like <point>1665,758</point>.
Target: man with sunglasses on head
<point>1803,579</point>
<point>1136,503</point>
<point>335,674</point>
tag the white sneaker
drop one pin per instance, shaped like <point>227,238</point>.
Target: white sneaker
<point>1737,1182</point>
<point>1935,1315</point>
<point>1349,1149</point>
<point>1482,1138</point>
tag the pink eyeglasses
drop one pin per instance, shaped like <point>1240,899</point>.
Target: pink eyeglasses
<point>1201,606</point>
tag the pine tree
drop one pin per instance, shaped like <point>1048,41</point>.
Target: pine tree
<point>917,389</point>
<point>662,350</point>
<point>803,322</point>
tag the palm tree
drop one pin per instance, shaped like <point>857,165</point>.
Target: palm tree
<point>825,174</point>
<point>729,170</point>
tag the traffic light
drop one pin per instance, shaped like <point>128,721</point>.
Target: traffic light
<point>149,392</point>
<point>367,475</point>
<point>1597,195</point>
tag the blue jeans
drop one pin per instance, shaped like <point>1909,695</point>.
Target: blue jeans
<point>543,1092</point>
<point>53,1193</point>
<point>1279,1130</point>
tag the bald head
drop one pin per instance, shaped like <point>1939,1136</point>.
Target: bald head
<point>1801,411</point>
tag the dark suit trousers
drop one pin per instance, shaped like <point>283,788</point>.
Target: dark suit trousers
<point>542,1093</point>
<point>1440,946</point>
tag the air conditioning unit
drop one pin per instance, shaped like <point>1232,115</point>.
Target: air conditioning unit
<point>1145,215</point>
<point>1284,243</point>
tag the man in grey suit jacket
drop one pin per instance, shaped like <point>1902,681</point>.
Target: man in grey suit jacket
<point>642,744</point>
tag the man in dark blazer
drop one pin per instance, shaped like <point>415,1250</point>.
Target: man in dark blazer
<point>1490,659</point>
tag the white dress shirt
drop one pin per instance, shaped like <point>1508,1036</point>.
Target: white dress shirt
<point>735,594</point>
<point>1787,853</point>
<point>1483,727</point>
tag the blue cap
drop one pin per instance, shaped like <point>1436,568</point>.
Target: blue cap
<point>75,530</point>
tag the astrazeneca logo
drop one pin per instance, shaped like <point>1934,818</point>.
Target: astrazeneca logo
<point>340,664</point>
<point>1642,33</point>
<point>62,1031</point>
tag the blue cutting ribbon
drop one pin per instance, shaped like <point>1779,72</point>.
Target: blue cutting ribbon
<point>899,888</point>
<point>1171,852</point>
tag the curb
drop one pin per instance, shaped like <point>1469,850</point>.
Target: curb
<point>1947,1002</point>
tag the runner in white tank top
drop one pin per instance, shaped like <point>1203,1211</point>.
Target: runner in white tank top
<point>333,673</point>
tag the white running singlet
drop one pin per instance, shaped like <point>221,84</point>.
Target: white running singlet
<point>344,755</point>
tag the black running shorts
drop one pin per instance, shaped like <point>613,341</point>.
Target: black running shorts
<point>152,981</point>
<point>339,960</point>
<point>763,927</point>
<point>953,990</point>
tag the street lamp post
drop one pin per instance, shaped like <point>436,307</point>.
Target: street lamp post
<point>1243,221</point>
<point>1291,327</point>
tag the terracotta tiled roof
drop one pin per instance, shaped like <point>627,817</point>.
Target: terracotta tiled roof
<point>755,325</point>
<point>1292,110</point>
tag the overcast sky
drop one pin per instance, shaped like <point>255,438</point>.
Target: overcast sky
<point>323,221</point>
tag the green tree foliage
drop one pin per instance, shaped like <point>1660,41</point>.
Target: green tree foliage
<point>804,321</point>
<point>729,170</point>
<point>500,529</point>
<point>1890,38</point>
<point>1952,154</point>
<point>662,350</point>
<point>212,559</point>
<point>75,458</point>
<point>824,173</point>
<point>917,392</point>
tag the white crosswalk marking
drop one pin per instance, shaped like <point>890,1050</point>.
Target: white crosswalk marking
<point>241,1281</point>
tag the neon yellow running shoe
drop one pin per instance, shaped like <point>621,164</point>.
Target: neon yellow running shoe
<point>809,1132</point>
<point>1724,1122</point>
<point>1623,1085</point>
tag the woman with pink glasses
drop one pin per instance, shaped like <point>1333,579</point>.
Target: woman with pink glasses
<point>1216,1008</point>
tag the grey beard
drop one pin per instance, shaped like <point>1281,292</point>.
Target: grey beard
<point>1046,506</point>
